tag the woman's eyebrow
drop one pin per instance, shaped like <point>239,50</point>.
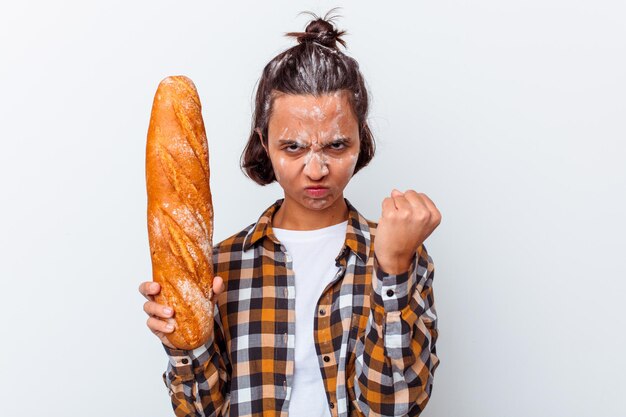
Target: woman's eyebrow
<point>344,139</point>
<point>292,141</point>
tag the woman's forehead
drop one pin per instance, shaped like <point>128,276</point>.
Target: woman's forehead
<point>308,107</point>
<point>299,113</point>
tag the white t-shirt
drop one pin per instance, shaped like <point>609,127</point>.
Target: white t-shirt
<point>313,254</point>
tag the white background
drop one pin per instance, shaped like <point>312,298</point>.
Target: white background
<point>509,115</point>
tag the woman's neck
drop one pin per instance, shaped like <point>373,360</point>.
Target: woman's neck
<point>293,216</point>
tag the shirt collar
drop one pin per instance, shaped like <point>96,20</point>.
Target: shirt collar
<point>358,236</point>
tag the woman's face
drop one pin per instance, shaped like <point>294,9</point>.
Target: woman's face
<point>313,143</point>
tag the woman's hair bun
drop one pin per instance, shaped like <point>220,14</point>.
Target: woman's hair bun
<point>320,30</point>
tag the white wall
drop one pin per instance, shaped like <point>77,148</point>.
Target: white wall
<point>509,115</point>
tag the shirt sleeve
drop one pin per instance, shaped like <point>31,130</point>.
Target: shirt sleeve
<point>396,356</point>
<point>197,379</point>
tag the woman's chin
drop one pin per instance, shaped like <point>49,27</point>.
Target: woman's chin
<point>319,203</point>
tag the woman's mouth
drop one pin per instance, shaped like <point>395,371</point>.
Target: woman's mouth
<point>316,191</point>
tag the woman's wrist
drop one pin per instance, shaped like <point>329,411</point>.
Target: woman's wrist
<point>394,265</point>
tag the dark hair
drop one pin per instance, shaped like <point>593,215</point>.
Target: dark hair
<point>315,66</point>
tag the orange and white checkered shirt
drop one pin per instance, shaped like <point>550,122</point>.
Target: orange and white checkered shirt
<point>375,333</point>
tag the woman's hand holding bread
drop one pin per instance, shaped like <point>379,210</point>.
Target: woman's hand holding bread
<point>161,318</point>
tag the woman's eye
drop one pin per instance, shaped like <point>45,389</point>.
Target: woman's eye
<point>293,147</point>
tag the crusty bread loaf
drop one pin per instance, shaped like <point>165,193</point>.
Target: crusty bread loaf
<point>180,210</point>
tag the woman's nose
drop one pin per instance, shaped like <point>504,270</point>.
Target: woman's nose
<point>315,166</point>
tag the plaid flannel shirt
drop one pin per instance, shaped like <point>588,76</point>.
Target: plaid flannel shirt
<point>375,333</point>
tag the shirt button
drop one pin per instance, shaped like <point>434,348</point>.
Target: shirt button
<point>322,312</point>
<point>332,405</point>
<point>185,361</point>
<point>389,293</point>
<point>326,358</point>
<point>285,338</point>
<point>285,292</point>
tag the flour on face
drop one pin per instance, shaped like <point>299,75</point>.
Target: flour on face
<point>313,143</point>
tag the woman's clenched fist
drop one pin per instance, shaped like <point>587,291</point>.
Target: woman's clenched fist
<point>406,221</point>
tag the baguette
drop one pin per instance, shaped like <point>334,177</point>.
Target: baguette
<point>180,210</point>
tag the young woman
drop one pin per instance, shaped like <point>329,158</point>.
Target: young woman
<point>310,318</point>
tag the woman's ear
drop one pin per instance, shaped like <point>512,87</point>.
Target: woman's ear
<point>258,132</point>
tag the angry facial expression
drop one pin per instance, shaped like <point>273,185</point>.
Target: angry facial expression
<point>313,143</point>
